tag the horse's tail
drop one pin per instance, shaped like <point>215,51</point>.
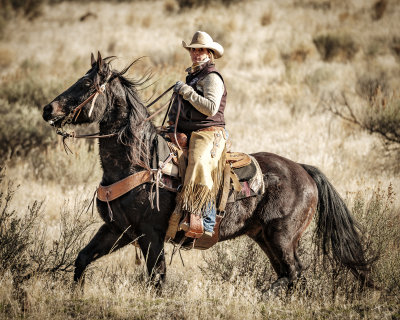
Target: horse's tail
<point>337,232</point>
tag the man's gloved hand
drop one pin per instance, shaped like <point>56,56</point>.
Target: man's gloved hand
<point>178,86</point>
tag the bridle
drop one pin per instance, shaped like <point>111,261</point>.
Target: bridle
<point>154,175</point>
<point>74,114</point>
<point>100,89</point>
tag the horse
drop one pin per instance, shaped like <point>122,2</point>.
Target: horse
<point>275,220</point>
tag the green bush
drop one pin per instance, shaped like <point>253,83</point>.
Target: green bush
<point>368,85</point>
<point>395,46</point>
<point>241,260</point>
<point>183,4</point>
<point>382,116</point>
<point>22,96</point>
<point>26,86</point>
<point>24,249</point>
<point>30,9</point>
<point>380,217</point>
<point>379,115</point>
<point>54,164</point>
<point>22,130</point>
<point>336,46</point>
<point>15,232</point>
<point>9,9</point>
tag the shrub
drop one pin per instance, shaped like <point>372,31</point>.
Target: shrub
<point>241,260</point>
<point>26,86</point>
<point>379,115</point>
<point>170,6</point>
<point>382,116</point>
<point>22,129</point>
<point>15,232</point>
<point>266,18</point>
<point>317,78</point>
<point>185,4</point>
<point>30,9</point>
<point>395,46</point>
<point>369,85</point>
<point>315,5</point>
<point>378,9</point>
<point>377,210</point>
<point>11,8</point>
<point>336,46</point>
<point>53,164</point>
<point>376,45</point>
<point>23,237</point>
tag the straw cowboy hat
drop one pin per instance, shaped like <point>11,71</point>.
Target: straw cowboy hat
<point>202,39</point>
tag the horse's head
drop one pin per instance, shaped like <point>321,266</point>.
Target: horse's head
<point>84,101</point>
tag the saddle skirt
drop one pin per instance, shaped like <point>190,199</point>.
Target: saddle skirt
<point>246,176</point>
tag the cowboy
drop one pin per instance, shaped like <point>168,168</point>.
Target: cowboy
<point>201,118</point>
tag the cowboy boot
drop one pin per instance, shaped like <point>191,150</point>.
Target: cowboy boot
<point>196,228</point>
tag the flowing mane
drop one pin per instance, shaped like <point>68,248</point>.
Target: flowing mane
<point>137,134</point>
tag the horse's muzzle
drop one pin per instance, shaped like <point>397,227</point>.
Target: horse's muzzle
<point>52,113</point>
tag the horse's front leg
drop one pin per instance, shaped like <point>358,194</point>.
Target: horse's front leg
<point>102,243</point>
<point>152,246</point>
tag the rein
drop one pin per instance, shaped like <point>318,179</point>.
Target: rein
<point>73,116</point>
<point>106,193</point>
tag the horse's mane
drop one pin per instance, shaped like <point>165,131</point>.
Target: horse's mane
<point>137,133</point>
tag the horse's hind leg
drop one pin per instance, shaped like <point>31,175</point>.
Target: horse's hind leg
<point>283,250</point>
<point>102,243</point>
<point>259,239</point>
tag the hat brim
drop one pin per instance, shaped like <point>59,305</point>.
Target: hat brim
<point>214,46</point>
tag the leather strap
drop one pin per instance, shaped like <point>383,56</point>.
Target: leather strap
<point>225,188</point>
<point>235,181</point>
<point>238,159</point>
<point>117,189</point>
<point>213,128</point>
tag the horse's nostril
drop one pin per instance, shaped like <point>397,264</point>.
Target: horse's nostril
<point>52,110</point>
<point>47,110</point>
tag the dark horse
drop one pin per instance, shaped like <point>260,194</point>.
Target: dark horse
<point>275,220</point>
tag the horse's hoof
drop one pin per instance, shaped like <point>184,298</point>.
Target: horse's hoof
<point>279,287</point>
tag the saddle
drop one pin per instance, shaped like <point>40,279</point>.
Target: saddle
<point>242,178</point>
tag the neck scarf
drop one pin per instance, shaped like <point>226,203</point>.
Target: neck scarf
<point>198,66</point>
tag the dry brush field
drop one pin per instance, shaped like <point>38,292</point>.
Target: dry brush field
<point>293,69</point>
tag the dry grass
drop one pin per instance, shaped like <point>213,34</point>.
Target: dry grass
<point>276,76</point>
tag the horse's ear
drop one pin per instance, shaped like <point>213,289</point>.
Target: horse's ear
<point>92,59</point>
<point>99,60</point>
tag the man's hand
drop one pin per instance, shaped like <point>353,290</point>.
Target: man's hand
<point>178,86</point>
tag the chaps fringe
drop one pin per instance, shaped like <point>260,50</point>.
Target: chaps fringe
<point>195,197</point>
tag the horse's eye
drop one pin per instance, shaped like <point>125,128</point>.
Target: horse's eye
<point>87,82</point>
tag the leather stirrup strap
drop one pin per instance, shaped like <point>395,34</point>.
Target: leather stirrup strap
<point>225,188</point>
<point>235,180</point>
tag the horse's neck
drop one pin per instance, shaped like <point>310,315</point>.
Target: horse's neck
<point>115,156</point>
